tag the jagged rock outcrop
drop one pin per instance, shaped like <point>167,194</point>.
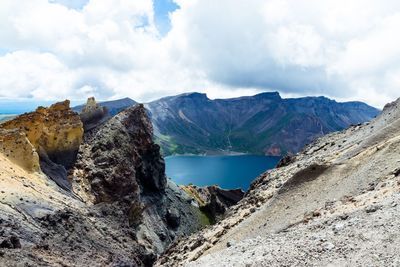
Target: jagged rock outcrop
<point>113,106</point>
<point>48,137</point>
<point>121,165</point>
<point>92,114</point>
<point>56,131</point>
<point>213,200</point>
<point>121,159</point>
<point>336,203</point>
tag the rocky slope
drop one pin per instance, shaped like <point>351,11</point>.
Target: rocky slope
<point>334,204</point>
<point>260,124</point>
<point>93,198</point>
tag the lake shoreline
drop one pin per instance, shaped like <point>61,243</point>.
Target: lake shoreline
<point>225,153</point>
<point>225,171</point>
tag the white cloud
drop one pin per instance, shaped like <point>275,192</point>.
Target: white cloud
<point>111,48</point>
<point>343,50</point>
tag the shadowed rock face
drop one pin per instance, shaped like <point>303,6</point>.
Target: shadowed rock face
<point>120,165</point>
<point>93,114</point>
<point>213,200</point>
<point>121,159</point>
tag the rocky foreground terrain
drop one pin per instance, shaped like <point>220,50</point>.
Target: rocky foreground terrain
<point>337,203</point>
<point>87,189</point>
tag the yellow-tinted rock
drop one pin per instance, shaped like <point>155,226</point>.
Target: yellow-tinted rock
<point>56,131</point>
<point>16,147</point>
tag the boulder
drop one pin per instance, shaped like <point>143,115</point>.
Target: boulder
<point>213,199</point>
<point>173,217</point>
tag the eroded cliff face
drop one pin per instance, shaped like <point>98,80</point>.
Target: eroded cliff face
<point>120,165</point>
<point>119,160</point>
<point>55,132</point>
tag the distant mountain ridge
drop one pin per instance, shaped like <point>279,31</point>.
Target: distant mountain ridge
<point>261,124</point>
<point>265,123</point>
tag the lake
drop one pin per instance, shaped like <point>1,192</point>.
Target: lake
<point>226,171</point>
<point>4,117</point>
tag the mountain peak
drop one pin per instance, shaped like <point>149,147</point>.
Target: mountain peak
<point>195,95</point>
<point>271,95</point>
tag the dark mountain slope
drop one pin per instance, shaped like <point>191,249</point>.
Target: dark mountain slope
<point>261,124</point>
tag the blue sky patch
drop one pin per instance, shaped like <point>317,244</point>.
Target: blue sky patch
<point>162,8</point>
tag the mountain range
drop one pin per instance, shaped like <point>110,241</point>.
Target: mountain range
<point>266,123</point>
<point>260,124</point>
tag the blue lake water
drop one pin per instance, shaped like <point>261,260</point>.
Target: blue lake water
<point>226,171</point>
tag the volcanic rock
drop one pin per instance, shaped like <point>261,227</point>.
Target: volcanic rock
<point>213,200</point>
<point>93,114</point>
<point>56,131</point>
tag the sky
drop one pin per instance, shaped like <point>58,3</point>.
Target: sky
<point>143,49</point>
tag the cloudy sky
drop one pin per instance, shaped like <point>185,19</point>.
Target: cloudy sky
<point>56,49</point>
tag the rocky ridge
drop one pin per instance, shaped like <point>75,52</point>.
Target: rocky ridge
<point>132,177</point>
<point>94,198</point>
<point>92,114</point>
<point>265,123</point>
<point>336,203</point>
